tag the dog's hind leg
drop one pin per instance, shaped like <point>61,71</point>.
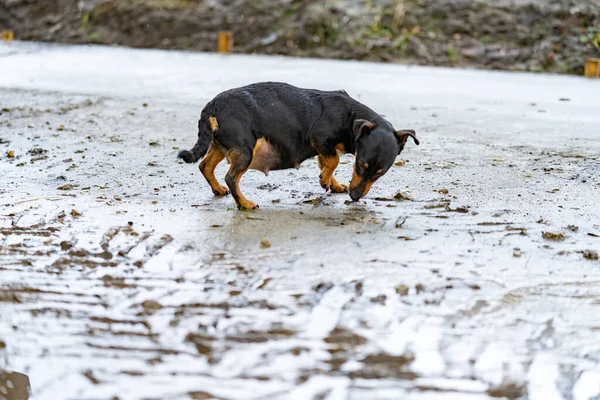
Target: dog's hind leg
<point>240,159</point>
<point>207,167</point>
<point>327,180</point>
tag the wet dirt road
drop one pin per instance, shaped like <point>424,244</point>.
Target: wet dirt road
<point>121,276</point>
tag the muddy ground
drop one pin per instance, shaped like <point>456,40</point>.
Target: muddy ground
<point>122,276</point>
<point>529,35</point>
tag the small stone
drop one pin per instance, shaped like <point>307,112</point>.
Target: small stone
<point>443,191</point>
<point>402,290</point>
<point>517,253</point>
<point>265,244</point>
<point>76,213</point>
<point>151,305</point>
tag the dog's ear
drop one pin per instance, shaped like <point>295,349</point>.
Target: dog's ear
<point>362,127</point>
<point>404,134</point>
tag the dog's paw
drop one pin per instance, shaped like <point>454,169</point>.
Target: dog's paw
<point>325,184</point>
<point>247,205</point>
<point>339,187</point>
<point>222,191</point>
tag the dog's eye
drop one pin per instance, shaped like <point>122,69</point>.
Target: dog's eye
<point>378,174</point>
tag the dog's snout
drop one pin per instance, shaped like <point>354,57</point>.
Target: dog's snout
<point>355,194</point>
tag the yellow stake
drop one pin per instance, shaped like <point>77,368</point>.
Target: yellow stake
<point>592,68</point>
<point>7,35</point>
<point>225,44</point>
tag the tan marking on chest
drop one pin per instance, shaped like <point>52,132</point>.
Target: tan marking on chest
<point>265,156</point>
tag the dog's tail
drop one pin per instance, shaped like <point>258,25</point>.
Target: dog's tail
<point>205,132</point>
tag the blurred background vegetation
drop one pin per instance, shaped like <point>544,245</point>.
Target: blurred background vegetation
<point>531,35</point>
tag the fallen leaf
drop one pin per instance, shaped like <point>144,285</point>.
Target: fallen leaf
<point>400,163</point>
<point>573,228</point>
<point>400,221</point>
<point>443,191</point>
<point>558,237</point>
<point>76,213</point>
<point>590,255</point>
<point>498,159</point>
<point>265,243</point>
<point>462,210</point>
<point>316,200</point>
<point>403,196</point>
<point>10,154</point>
<point>406,238</point>
<point>68,186</point>
<point>264,283</point>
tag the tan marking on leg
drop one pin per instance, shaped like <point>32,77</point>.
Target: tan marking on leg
<point>327,180</point>
<point>214,124</point>
<point>234,184</point>
<point>207,167</point>
<point>337,187</point>
<point>243,202</point>
<point>341,148</point>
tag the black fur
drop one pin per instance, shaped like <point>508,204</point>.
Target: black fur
<point>300,124</point>
<point>201,147</point>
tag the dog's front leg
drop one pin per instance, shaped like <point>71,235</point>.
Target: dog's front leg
<point>327,180</point>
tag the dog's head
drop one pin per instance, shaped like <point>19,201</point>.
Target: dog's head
<point>376,149</point>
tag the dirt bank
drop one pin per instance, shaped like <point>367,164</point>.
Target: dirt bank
<point>530,35</point>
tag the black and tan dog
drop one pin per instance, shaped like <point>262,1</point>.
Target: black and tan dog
<point>272,126</point>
